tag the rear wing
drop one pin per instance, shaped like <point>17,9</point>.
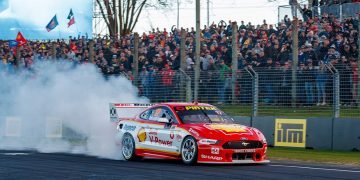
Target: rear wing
<point>126,110</point>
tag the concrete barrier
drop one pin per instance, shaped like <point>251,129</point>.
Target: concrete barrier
<point>320,133</point>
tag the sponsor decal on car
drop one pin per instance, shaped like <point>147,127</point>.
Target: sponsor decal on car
<point>141,135</point>
<point>172,135</point>
<point>244,150</point>
<point>189,108</point>
<point>155,139</point>
<point>228,128</point>
<point>194,132</point>
<point>153,132</point>
<point>178,138</point>
<point>215,150</point>
<point>216,158</point>
<point>129,127</point>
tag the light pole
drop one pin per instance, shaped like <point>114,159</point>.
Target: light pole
<point>208,13</point>
<point>197,52</point>
<point>178,14</point>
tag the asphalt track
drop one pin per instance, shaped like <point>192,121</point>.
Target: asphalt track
<point>32,165</point>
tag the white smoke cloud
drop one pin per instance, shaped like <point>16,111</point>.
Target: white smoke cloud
<point>58,92</point>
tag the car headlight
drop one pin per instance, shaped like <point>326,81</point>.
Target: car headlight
<point>260,135</point>
<point>208,141</point>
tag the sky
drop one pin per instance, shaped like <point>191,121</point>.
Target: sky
<point>254,11</point>
<point>31,16</point>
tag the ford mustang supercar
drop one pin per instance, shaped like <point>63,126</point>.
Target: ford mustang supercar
<point>193,132</point>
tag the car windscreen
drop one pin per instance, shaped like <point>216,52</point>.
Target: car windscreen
<point>201,114</point>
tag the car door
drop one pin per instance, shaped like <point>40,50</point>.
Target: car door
<point>161,136</point>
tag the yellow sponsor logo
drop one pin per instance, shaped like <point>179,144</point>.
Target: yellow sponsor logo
<point>229,128</point>
<point>199,108</point>
<point>141,135</point>
<point>290,132</point>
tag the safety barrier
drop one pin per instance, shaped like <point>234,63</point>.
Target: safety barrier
<point>313,133</point>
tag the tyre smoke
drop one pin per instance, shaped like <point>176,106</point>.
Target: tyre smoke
<point>59,107</point>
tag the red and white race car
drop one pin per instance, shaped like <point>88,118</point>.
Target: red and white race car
<point>193,132</point>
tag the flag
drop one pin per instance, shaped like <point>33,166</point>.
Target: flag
<point>20,39</point>
<point>52,24</point>
<point>71,18</point>
<point>13,43</point>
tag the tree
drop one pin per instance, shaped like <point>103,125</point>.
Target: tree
<point>121,16</point>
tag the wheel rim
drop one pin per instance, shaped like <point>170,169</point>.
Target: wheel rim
<point>188,150</point>
<point>127,147</point>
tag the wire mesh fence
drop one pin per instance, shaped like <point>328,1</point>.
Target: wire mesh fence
<point>341,11</point>
<point>319,91</point>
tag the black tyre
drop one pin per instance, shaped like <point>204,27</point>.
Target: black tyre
<point>189,150</point>
<point>128,147</point>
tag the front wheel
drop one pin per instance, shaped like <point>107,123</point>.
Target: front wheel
<point>189,150</point>
<point>128,147</point>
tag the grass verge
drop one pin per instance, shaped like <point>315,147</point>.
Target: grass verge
<point>320,156</point>
<point>303,112</point>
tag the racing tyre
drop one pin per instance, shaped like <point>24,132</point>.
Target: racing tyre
<point>189,150</point>
<point>128,147</point>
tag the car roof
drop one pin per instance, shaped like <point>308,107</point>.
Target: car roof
<point>172,104</point>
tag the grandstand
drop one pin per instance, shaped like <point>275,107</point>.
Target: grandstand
<point>327,67</point>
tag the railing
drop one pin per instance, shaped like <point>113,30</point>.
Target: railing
<point>321,91</point>
<point>340,11</point>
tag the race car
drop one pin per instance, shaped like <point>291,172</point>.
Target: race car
<point>192,132</point>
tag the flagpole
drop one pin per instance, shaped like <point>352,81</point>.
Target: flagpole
<point>59,34</point>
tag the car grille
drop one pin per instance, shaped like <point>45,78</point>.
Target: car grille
<point>242,156</point>
<point>242,145</point>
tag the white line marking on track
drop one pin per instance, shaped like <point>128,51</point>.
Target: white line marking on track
<point>325,169</point>
<point>14,154</point>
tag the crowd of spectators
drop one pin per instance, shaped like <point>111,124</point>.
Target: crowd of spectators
<point>331,2</point>
<point>323,40</point>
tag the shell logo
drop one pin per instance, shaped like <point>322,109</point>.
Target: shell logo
<point>141,135</point>
<point>229,128</point>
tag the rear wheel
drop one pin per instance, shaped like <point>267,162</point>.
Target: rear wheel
<point>189,150</point>
<point>128,147</point>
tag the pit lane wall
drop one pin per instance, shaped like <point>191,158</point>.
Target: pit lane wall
<point>20,132</point>
<point>315,133</point>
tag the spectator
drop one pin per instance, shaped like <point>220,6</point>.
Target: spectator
<point>224,81</point>
<point>309,74</point>
<point>167,75</point>
<point>321,78</point>
<point>144,83</point>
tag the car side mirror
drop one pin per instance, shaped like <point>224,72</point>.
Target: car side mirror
<point>163,120</point>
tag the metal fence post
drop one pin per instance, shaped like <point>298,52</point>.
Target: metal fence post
<point>255,95</point>
<point>183,80</point>
<point>197,51</point>
<point>358,65</point>
<point>91,51</point>
<point>295,57</point>
<point>187,86</point>
<point>53,51</point>
<point>18,56</point>
<point>341,13</point>
<point>136,58</point>
<point>182,50</point>
<point>336,95</point>
<point>234,65</point>
<point>188,90</point>
<point>255,89</point>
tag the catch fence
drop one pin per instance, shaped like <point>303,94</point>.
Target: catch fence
<point>320,91</point>
<point>340,11</point>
